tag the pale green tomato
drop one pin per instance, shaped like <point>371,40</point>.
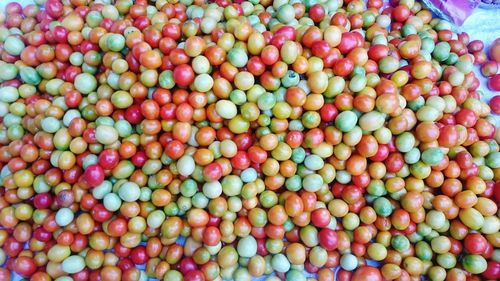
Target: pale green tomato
<point>226,109</point>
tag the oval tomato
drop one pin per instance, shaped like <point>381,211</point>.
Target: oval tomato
<point>367,273</point>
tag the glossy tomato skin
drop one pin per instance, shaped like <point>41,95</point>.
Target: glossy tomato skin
<point>320,217</point>
<point>133,114</point>
<point>183,75</point>
<point>343,67</point>
<point>117,227</point>
<point>256,66</point>
<point>138,255</point>
<point>328,239</point>
<point>382,153</point>
<point>492,271</point>
<point>367,273</point>
<point>212,171</point>
<point>349,41</point>
<point>108,159</point>
<point>12,247</point>
<point>495,104</point>
<point>328,112</point>
<point>377,52</point>
<point>289,32</point>
<point>495,50</point>
<point>125,264</point>
<point>344,275</point>
<point>187,264</point>
<point>394,162</point>
<point>466,117</point>
<point>25,266</point>
<point>475,243</point>
<point>94,175</point>
<point>100,214</point>
<point>5,274</point>
<point>54,8</point>
<point>43,200</point>
<point>494,82</point>
<point>195,275</point>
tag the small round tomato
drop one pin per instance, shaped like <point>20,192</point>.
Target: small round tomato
<point>475,243</point>
<point>183,75</point>
<point>494,82</point>
<point>367,273</point>
<point>94,175</point>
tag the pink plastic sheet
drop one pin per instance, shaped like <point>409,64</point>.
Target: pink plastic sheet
<point>456,11</point>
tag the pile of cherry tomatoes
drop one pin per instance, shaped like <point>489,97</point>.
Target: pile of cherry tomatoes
<point>489,68</point>
<point>233,140</point>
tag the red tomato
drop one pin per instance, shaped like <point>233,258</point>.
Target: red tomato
<point>24,266</point>
<point>108,159</point>
<point>240,161</point>
<point>194,275</point>
<point>377,52</point>
<point>212,172</point>
<point>256,66</point>
<point>495,50</point>
<point>270,55</point>
<point>382,153</point>
<point>317,12</point>
<point>294,138</point>
<point>464,159</point>
<point>94,175</point>
<point>42,200</point>
<point>186,265</point>
<point>494,83</point>
<point>496,192</point>
<point>475,243</point>
<point>475,46</point>
<point>367,273</point>
<point>489,68</point>
<point>125,264</point>
<point>139,159</point>
<point>320,48</point>
<point>328,239</point>
<point>309,267</point>
<point>117,227</point>
<point>121,251</point>
<point>5,274</point>
<point>139,255</point>
<point>348,42</point>
<point>343,67</point>
<point>352,194</point>
<point>377,4</point>
<point>320,217</point>
<point>54,8</point>
<point>12,247</point>
<point>495,104</point>
<point>394,162</point>
<point>211,236</point>
<point>183,75</point>
<point>401,13</point>
<point>261,247</point>
<point>344,275</point>
<point>288,31</point>
<point>133,114</point>
<point>328,112</point>
<point>492,271</point>
<point>466,117</point>
<point>100,214</point>
<point>448,136</point>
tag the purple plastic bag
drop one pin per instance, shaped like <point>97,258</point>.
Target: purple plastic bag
<point>456,11</point>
